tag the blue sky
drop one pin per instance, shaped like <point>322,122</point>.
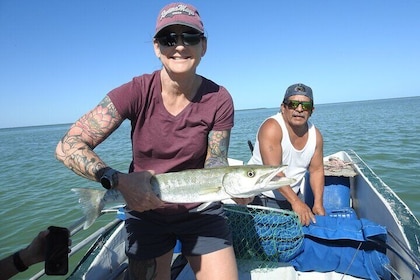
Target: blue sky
<point>59,58</point>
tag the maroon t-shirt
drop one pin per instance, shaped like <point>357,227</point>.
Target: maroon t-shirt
<point>163,142</point>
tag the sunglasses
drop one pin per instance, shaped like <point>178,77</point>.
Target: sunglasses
<point>188,39</point>
<point>293,104</point>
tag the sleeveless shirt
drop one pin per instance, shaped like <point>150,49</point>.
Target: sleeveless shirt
<point>297,161</point>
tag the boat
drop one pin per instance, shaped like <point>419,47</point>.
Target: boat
<point>356,196</point>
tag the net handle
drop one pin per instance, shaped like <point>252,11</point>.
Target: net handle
<point>281,211</point>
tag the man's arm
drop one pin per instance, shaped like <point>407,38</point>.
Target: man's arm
<point>20,261</point>
<point>317,179</point>
<point>270,136</point>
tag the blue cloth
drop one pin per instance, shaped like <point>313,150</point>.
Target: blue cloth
<point>342,245</point>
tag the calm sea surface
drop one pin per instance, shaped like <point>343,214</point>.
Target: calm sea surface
<point>35,187</point>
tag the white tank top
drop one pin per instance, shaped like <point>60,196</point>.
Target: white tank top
<point>296,160</point>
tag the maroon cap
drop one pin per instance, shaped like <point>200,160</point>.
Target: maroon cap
<point>179,13</point>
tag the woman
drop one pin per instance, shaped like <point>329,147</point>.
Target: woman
<point>180,120</point>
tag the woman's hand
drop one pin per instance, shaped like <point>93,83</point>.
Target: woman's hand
<point>137,191</point>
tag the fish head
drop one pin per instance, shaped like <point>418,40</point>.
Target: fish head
<point>250,180</point>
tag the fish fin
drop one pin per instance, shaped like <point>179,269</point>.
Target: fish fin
<point>228,201</point>
<point>204,206</point>
<point>91,202</point>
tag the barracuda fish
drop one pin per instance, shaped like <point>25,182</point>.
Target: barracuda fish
<point>193,186</point>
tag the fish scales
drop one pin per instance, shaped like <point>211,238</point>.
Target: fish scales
<point>194,185</point>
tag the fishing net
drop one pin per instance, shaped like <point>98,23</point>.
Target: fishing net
<point>264,236</point>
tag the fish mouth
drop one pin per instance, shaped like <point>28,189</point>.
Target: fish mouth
<point>270,177</point>
<point>265,182</point>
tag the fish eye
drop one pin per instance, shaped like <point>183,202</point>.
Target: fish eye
<point>251,173</point>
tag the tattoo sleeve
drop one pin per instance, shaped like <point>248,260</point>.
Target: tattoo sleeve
<point>75,150</point>
<point>217,149</point>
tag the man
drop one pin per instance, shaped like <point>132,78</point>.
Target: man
<point>290,138</point>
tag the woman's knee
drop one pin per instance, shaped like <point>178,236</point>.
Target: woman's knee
<point>157,268</point>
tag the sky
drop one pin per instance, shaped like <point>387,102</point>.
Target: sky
<point>59,58</point>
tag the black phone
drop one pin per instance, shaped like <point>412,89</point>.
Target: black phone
<point>57,251</point>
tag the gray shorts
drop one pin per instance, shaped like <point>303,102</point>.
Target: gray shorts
<point>151,234</point>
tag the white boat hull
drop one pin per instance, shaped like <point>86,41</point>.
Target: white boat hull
<point>371,199</point>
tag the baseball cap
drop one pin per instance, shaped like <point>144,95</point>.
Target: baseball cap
<point>179,13</point>
<point>298,89</point>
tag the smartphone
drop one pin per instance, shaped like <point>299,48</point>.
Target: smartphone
<point>57,251</point>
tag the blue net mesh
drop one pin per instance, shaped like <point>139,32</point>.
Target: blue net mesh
<point>264,235</point>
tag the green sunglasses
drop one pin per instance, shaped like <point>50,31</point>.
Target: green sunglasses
<point>293,104</point>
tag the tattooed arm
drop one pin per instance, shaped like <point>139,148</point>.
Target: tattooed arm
<point>217,152</point>
<point>217,149</point>
<point>75,149</point>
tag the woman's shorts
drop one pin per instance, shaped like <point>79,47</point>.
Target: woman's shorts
<point>151,234</point>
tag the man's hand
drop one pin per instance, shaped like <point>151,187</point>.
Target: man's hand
<point>304,212</point>
<point>318,210</point>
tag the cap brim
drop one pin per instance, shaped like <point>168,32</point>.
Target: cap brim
<point>178,23</point>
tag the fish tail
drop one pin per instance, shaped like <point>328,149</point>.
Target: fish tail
<point>91,202</point>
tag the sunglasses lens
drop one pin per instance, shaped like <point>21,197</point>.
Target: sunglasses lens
<point>306,106</point>
<point>188,39</point>
<point>293,104</point>
<point>191,39</point>
<point>167,40</point>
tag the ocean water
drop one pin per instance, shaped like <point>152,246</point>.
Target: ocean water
<point>35,187</point>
